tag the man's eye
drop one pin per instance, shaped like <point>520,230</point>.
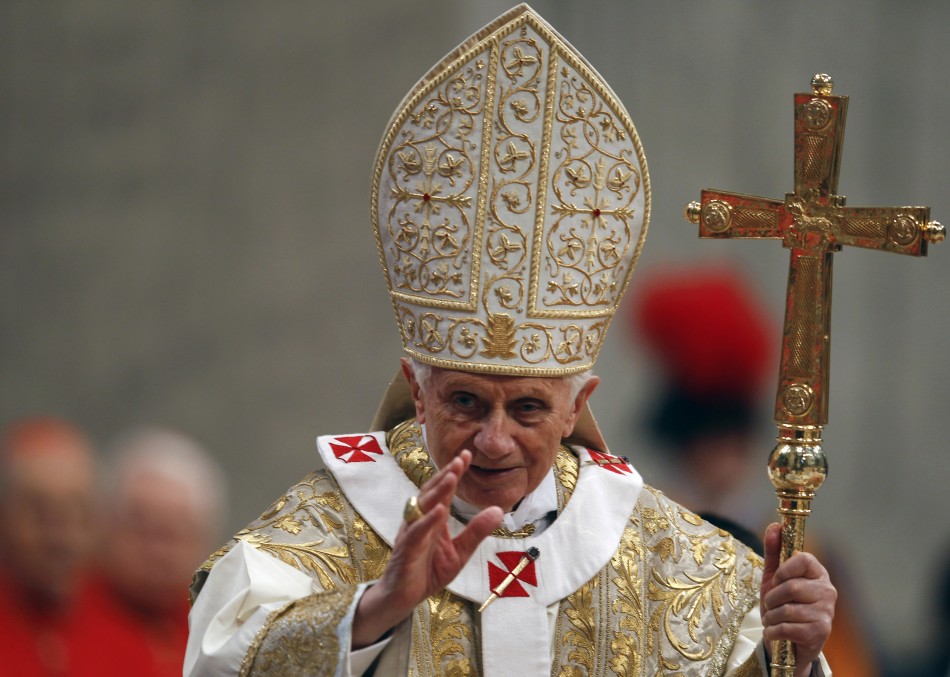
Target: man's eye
<point>529,407</point>
<point>464,400</point>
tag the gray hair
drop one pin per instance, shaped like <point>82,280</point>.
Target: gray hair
<point>576,382</point>
<point>173,456</point>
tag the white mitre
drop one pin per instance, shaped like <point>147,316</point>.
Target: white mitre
<point>510,202</point>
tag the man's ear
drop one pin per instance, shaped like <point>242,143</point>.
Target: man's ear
<point>414,389</point>
<point>582,396</point>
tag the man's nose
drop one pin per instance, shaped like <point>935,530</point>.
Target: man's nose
<point>494,439</point>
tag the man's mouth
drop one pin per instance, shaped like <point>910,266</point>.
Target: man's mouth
<point>490,471</point>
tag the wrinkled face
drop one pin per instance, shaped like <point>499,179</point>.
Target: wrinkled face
<point>46,518</point>
<point>157,540</point>
<point>512,425</point>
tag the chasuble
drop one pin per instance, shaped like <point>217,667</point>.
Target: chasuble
<point>627,581</point>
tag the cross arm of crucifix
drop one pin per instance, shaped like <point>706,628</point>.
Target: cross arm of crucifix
<point>813,223</point>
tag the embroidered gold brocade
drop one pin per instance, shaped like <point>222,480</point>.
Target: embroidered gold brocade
<point>669,602</point>
<point>751,668</point>
<point>445,625</point>
<point>406,445</point>
<point>627,650</point>
<point>510,201</point>
<point>301,638</point>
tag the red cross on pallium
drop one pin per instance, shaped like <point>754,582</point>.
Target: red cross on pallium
<point>608,462</point>
<point>510,560</point>
<point>355,448</point>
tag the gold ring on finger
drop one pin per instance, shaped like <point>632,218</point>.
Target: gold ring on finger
<point>412,511</point>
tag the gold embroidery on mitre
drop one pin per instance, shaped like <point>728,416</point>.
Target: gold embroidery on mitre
<point>501,336</point>
<point>510,203</point>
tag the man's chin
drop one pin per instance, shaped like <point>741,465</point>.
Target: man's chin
<point>481,500</point>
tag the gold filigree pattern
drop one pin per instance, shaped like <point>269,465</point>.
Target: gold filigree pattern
<point>407,446</point>
<point>450,635</point>
<point>627,647</point>
<point>689,602</point>
<point>300,638</point>
<point>573,346</point>
<point>580,639</point>
<point>594,186</point>
<point>305,528</point>
<point>523,532</point>
<point>510,202</point>
<point>329,564</point>
<point>432,173</point>
<point>751,668</point>
<point>372,553</point>
<point>669,602</point>
<point>566,469</point>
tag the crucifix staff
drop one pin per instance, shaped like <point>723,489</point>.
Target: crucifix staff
<point>812,223</point>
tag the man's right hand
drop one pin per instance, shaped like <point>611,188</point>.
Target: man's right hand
<point>425,558</point>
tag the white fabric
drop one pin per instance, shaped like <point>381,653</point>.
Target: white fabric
<point>535,508</point>
<point>234,604</point>
<point>245,577</point>
<point>596,515</point>
<point>243,589</point>
<point>515,185</point>
<point>246,586</point>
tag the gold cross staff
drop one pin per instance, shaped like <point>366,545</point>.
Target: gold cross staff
<point>812,224</point>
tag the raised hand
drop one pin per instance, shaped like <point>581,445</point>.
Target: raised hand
<point>797,601</point>
<point>425,558</point>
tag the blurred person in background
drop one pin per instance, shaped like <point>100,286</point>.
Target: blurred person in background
<point>715,348</point>
<point>934,660</point>
<point>51,620</point>
<point>713,345</point>
<point>166,498</point>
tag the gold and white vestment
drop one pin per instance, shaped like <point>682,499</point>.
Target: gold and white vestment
<point>628,582</point>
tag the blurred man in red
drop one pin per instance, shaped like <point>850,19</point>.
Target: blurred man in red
<point>165,503</point>
<point>715,349</point>
<point>51,621</point>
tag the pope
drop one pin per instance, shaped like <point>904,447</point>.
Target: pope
<point>482,526</point>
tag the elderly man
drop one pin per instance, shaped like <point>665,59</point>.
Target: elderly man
<point>483,528</point>
<point>52,620</point>
<point>165,503</point>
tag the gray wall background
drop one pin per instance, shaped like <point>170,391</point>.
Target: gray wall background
<point>185,238</point>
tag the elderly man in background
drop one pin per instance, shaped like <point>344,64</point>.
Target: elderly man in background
<point>482,527</point>
<point>165,501</point>
<point>51,620</point>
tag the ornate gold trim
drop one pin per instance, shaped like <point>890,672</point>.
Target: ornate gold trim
<point>447,298</point>
<point>300,638</point>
